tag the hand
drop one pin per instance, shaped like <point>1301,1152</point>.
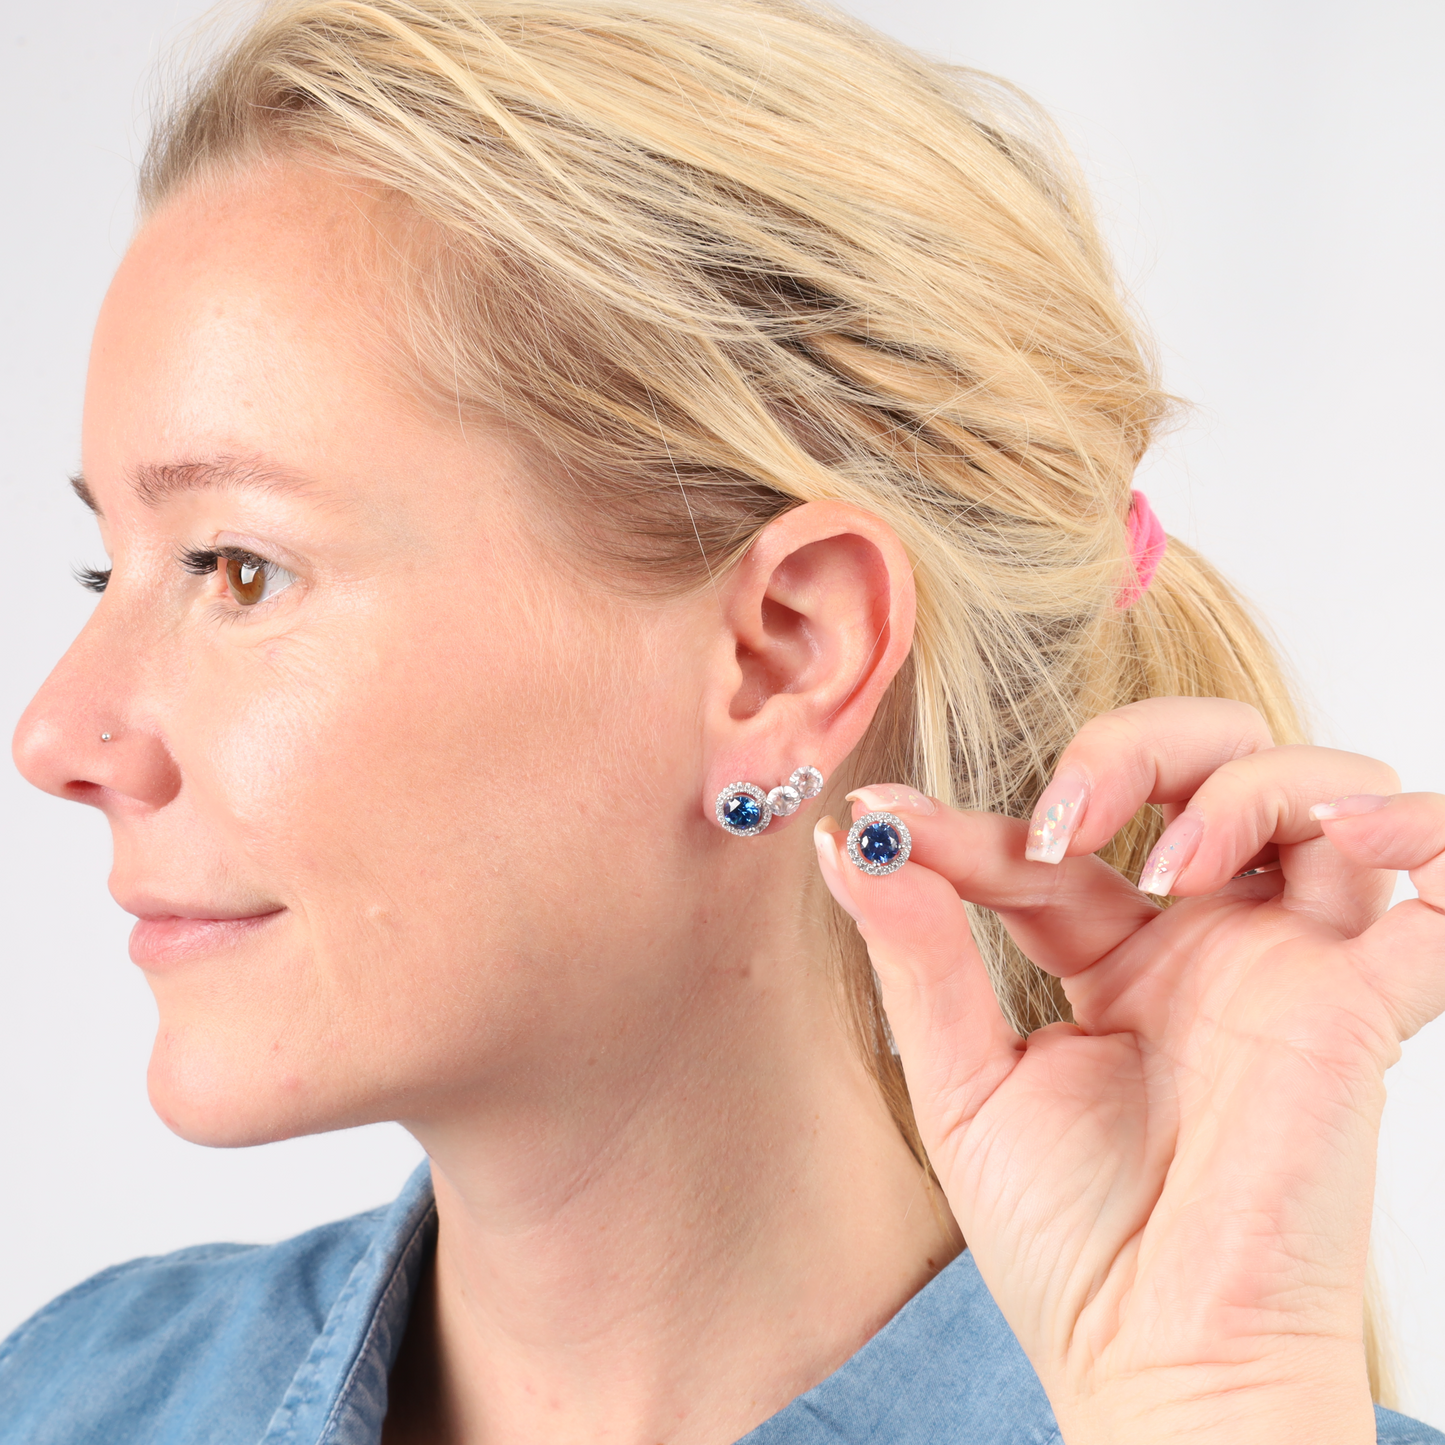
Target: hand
<point>1170,1198</point>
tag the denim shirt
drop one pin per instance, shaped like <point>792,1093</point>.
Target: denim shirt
<point>291,1344</point>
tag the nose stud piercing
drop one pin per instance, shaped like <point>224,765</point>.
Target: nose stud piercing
<point>879,843</point>
<point>744,810</point>
<point>105,737</point>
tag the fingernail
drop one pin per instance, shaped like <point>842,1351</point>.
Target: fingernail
<point>1057,812</point>
<point>893,798</point>
<point>1171,854</point>
<point>1350,807</point>
<point>826,833</point>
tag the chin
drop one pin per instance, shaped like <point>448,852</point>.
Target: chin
<point>249,1050</point>
<point>210,1094</point>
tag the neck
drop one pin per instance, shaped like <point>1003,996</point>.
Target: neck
<point>678,1230</point>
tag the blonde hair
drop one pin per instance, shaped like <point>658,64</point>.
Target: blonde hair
<point>717,258</point>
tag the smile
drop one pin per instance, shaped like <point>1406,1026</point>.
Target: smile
<point>167,940</point>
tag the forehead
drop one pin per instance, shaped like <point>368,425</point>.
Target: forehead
<point>247,317</point>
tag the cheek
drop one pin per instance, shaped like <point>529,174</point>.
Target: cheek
<point>353,765</point>
<point>439,807</point>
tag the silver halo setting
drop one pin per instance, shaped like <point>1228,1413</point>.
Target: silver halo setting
<point>757,795</point>
<point>889,821</point>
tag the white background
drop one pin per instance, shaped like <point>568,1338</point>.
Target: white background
<point>1270,172</point>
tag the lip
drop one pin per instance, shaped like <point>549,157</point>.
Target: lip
<point>163,940</point>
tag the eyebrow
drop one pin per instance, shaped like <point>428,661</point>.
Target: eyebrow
<point>156,483</point>
<point>82,490</point>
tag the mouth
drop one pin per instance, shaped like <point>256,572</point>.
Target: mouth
<point>162,940</point>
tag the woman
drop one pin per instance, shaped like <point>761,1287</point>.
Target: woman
<point>548,453</point>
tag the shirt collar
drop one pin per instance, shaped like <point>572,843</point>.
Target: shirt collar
<point>338,1396</point>
<point>945,1367</point>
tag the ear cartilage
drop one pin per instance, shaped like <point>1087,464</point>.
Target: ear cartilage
<point>879,843</point>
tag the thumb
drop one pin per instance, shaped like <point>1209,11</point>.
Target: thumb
<point>955,1045</point>
<point>1403,955</point>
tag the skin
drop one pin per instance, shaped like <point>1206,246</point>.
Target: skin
<point>1170,1199</point>
<point>491,904</point>
<point>426,835</point>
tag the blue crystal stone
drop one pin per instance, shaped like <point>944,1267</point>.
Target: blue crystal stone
<point>880,843</point>
<point>742,811</point>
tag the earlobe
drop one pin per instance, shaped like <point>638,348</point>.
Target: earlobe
<point>819,618</point>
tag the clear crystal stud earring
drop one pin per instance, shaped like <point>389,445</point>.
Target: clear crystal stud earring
<point>787,798</point>
<point>744,810</point>
<point>879,843</point>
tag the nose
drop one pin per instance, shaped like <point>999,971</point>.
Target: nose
<point>84,736</point>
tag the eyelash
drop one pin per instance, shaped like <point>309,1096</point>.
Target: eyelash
<point>199,561</point>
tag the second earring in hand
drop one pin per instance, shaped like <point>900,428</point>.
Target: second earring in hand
<point>744,809</point>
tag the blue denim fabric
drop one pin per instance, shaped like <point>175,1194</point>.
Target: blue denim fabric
<point>291,1344</point>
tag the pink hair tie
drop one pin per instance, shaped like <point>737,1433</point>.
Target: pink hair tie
<point>1146,546</point>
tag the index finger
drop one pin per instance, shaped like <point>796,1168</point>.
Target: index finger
<point>1064,919</point>
<point>1159,750</point>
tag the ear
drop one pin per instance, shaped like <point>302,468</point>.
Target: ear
<point>816,621</point>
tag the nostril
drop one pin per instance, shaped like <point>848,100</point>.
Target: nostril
<point>105,761</point>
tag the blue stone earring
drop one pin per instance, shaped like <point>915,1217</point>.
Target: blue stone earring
<point>879,843</point>
<point>744,810</point>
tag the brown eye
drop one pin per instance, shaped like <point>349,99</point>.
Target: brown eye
<point>245,579</point>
